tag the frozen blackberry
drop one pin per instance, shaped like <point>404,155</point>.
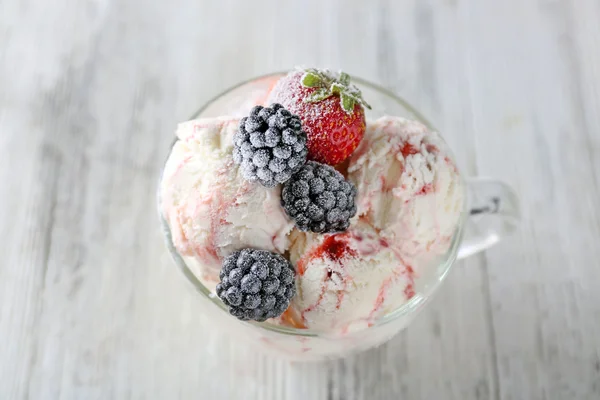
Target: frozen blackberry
<point>256,284</point>
<point>270,145</point>
<point>319,199</point>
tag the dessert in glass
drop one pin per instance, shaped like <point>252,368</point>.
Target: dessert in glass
<point>316,214</point>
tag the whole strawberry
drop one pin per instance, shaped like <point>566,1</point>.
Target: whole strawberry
<point>331,110</point>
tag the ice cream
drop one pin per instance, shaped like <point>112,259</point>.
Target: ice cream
<point>347,281</point>
<point>409,188</point>
<point>409,202</point>
<point>210,209</point>
<point>410,197</point>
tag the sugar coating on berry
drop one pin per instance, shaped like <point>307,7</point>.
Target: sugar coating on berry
<point>319,199</point>
<point>289,136</point>
<point>272,137</point>
<point>256,284</point>
<point>277,165</point>
<point>270,145</point>
<point>333,131</point>
<point>283,176</point>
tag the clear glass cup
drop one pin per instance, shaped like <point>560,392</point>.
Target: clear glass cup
<point>490,213</point>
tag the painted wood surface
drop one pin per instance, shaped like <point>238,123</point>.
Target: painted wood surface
<point>91,306</point>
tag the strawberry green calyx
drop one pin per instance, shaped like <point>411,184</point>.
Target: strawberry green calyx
<point>329,84</point>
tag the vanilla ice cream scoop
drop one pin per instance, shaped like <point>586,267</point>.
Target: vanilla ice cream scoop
<point>210,209</point>
<point>348,280</point>
<point>408,186</point>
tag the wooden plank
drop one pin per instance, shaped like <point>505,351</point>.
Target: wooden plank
<point>527,94</point>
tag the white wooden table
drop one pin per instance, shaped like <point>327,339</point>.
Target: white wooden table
<point>91,306</point>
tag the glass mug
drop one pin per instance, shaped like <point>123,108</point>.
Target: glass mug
<point>491,211</point>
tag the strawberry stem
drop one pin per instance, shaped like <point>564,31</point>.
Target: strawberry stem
<point>330,84</point>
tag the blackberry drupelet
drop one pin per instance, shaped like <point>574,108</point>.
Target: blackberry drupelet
<point>319,199</point>
<point>256,284</point>
<point>270,145</point>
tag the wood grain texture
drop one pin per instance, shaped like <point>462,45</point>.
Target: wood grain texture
<point>91,306</point>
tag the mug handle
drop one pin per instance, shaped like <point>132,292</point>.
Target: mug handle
<point>493,213</point>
